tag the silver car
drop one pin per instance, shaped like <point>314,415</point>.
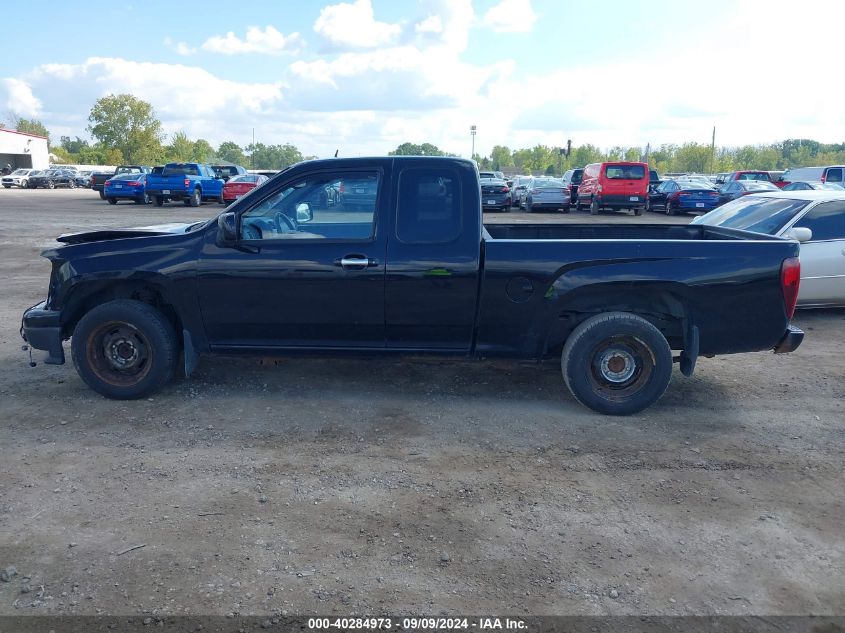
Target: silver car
<point>814,218</point>
<point>18,178</point>
<point>547,193</point>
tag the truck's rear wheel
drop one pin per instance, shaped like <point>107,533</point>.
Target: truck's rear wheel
<point>158,201</point>
<point>616,363</point>
<point>125,349</point>
<point>196,198</point>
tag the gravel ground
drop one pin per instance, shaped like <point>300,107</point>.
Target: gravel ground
<point>414,485</point>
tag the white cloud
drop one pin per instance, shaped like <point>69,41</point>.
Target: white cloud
<point>511,16</point>
<point>183,49</point>
<point>267,41</point>
<point>354,25</point>
<point>19,98</point>
<point>432,24</point>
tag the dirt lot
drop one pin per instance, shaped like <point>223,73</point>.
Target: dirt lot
<point>364,487</point>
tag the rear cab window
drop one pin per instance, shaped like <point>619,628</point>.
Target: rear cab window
<point>429,210</point>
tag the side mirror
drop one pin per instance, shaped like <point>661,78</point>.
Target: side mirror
<point>800,233</point>
<point>304,213</point>
<point>227,228</point>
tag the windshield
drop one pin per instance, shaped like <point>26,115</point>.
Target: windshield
<point>754,175</point>
<point>245,178</point>
<point>20,172</point>
<point>548,183</point>
<point>126,176</point>
<point>625,172</point>
<point>753,213</point>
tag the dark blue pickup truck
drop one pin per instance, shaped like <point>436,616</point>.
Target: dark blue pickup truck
<point>407,266</point>
<point>192,183</point>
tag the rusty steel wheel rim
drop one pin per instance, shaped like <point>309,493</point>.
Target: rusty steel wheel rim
<point>119,354</point>
<point>620,367</point>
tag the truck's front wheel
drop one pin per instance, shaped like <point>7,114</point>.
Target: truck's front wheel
<point>125,349</point>
<point>616,363</point>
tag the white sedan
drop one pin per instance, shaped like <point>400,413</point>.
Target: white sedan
<point>18,178</point>
<point>814,218</point>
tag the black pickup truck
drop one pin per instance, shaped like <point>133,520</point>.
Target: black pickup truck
<point>290,267</point>
<point>98,179</point>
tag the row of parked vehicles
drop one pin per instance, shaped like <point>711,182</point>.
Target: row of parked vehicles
<point>191,183</point>
<point>630,185</point>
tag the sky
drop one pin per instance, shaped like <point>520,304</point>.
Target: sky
<point>363,76</point>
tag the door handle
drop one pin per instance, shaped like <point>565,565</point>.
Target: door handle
<point>355,262</point>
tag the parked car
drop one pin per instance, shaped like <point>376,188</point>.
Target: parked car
<point>52,178</point>
<point>18,178</point>
<point>748,174</point>
<point>616,185</point>
<point>192,183</point>
<point>547,193</point>
<point>417,273</point>
<point>240,185</point>
<point>814,218</point>
<point>495,194</point>
<point>831,173</point>
<point>681,196</point>
<point>721,178</point>
<point>228,171</point>
<point>814,185</point>
<point>83,179</point>
<point>654,179</point>
<point>127,187</point>
<point>518,189</point>
<point>98,179</point>
<point>776,178</point>
<point>572,180</point>
<point>737,188</point>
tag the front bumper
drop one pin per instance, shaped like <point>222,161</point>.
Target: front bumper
<point>790,341</point>
<point>41,329</point>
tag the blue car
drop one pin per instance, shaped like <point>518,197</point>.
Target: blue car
<point>681,196</point>
<point>127,187</point>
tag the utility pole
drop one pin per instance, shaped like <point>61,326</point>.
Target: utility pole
<point>472,133</point>
<point>713,151</point>
<point>252,157</point>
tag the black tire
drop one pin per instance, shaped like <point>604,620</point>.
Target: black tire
<point>196,198</point>
<point>591,369</point>
<point>220,200</point>
<point>594,206</point>
<point>186,202</point>
<point>145,199</point>
<point>112,200</point>
<point>24,184</point>
<point>7,186</point>
<point>638,210</point>
<point>158,201</point>
<point>648,204</point>
<point>71,184</point>
<point>102,195</point>
<point>529,207</point>
<point>565,209</point>
<point>669,209</point>
<point>51,184</point>
<point>118,328</point>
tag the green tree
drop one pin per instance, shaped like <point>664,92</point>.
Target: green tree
<point>31,126</point>
<point>501,158</point>
<point>584,155</point>
<point>129,125</point>
<point>231,153</point>
<point>412,149</point>
<point>273,156</point>
<point>180,149</point>
<point>203,152</point>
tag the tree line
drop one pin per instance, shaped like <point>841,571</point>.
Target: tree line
<point>126,130</point>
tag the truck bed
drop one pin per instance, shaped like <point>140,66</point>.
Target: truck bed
<point>618,232</point>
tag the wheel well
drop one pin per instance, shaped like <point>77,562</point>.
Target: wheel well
<point>662,309</point>
<point>84,300</point>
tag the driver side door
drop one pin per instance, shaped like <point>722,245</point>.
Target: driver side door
<point>308,269</point>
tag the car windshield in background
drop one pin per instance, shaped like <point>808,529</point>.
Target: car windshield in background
<point>757,175</point>
<point>761,215</point>
<point>180,170</point>
<point>548,183</point>
<point>244,178</point>
<point>625,172</point>
<point>759,185</point>
<point>128,176</point>
<point>695,184</point>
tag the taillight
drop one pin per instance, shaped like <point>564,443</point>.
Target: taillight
<point>505,190</point>
<point>824,176</point>
<point>133,183</point>
<point>107,183</point>
<point>341,189</point>
<point>790,280</point>
<point>187,182</point>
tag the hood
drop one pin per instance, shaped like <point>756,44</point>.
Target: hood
<point>118,234</point>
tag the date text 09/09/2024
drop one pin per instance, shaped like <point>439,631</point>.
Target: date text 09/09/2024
<point>417,624</point>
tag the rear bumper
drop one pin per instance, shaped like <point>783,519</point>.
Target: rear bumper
<point>124,193</point>
<point>41,328</point>
<point>790,341</point>
<point>623,202</point>
<point>556,204</point>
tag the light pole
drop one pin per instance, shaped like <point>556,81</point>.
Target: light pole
<point>472,133</point>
